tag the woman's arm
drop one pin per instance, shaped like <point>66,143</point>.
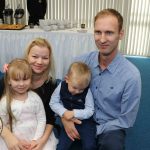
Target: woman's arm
<point>12,142</point>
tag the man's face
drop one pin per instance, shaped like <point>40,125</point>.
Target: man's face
<point>107,34</point>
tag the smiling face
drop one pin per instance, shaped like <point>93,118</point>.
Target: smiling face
<point>39,55</point>
<point>39,59</point>
<point>20,86</point>
<point>18,77</point>
<point>107,34</point>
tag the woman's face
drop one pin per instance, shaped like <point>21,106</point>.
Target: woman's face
<point>39,59</point>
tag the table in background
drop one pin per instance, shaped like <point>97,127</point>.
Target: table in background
<point>66,44</point>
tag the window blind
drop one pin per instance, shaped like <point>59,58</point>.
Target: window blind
<point>135,12</point>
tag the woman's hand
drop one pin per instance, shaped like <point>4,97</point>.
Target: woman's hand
<point>70,128</point>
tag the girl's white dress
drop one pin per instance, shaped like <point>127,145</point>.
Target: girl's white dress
<point>30,120</point>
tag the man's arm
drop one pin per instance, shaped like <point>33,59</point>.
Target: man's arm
<point>129,107</point>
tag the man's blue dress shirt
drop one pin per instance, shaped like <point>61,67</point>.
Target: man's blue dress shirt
<point>116,91</point>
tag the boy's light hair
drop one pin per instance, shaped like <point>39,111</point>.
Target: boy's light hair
<point>79,72</point>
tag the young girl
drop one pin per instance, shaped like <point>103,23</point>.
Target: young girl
<point>21,109</point>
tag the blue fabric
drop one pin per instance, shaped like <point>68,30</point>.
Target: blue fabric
<point>70,101</point>
<point>88,138</point>
<point>116,91</point>
<point>1,74</point>
<point>138,137</point>
<point>112,140</point>
<point>59,109</point>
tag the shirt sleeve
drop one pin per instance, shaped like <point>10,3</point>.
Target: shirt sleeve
<point>88,111</point>
<point>129,107</point>
<point>41,118</point>
<point>55,102</point>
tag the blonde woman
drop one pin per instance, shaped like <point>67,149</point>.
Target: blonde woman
<point>40,57</point>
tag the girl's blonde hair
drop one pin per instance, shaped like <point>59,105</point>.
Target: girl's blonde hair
<point>41,42</point>
<point>17,69</point>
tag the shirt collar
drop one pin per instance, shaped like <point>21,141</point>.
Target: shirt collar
<point>112,66</point>
<point>115,62</point>
<point>96,63</point>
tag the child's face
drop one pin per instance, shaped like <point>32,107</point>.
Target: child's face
<point>75,87</point>
<point>20,86</point>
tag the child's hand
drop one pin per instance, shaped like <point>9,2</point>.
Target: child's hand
<point>68,115</point>
<point>33,144</point>
<point>26,145</point>
<point>37,144</point>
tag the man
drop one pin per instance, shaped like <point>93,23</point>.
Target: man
<point>115,85</point>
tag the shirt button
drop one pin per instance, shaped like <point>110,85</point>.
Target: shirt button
<point>99,74</point>
<point>96,87</point>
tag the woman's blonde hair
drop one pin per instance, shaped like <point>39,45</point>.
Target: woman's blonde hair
<point>17,69</point>
<point>41,42</point>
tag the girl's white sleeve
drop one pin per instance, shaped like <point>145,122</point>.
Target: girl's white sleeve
<point>41,117</point>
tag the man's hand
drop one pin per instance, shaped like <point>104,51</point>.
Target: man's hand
<point>70,128</point>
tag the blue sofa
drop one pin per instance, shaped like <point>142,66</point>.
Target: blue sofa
<point>138,137</point>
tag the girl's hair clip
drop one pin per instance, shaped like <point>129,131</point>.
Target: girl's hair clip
<point>5,68</point>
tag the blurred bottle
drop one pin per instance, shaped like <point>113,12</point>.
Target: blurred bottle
<point>2,7</point>
<point>19,15</point>
<point>37,10</point>
<point>8,15</point>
